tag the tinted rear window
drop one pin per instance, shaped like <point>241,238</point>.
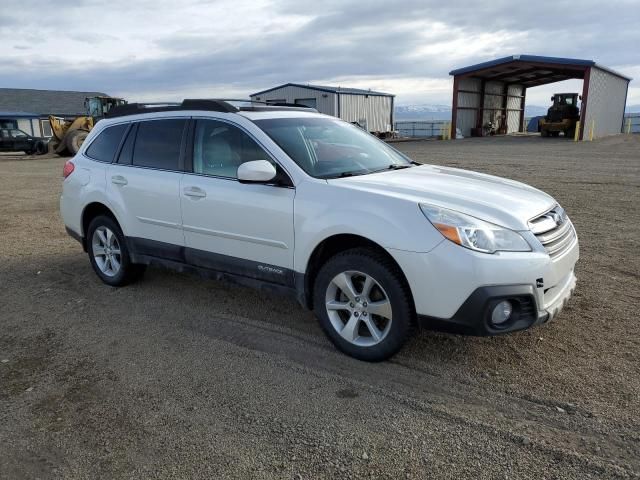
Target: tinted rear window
<point>104,147</point>
<point>158,144</point>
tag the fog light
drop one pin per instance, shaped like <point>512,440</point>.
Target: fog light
<point>501,312</point>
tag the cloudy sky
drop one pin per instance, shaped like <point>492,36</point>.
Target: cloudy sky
<point>167,50</point>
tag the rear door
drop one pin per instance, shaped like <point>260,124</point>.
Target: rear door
<point>144,184</point>
<point>21,141</point>
<point>229,226</point>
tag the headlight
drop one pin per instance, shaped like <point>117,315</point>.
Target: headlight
<point>473,233</point>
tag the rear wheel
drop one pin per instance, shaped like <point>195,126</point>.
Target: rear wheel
<point>74,140</point>
<point>108,253</point>
<point>41,148</point>
<point>363,304</point>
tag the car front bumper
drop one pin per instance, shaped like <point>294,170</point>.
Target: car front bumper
<point>455,289</point>
<point>474,316</point>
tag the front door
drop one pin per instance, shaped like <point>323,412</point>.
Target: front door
<point>229,226</point>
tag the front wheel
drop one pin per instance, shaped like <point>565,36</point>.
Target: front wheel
<point>108,253</point>
<point>364,305</point>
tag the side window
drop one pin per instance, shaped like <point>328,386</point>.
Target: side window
<point>220,148</point>
<point>126,154</point>
<point>104,147</point>
<point>15,133</point>
<point>158,144</point>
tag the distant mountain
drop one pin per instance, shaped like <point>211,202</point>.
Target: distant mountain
<point>443,112</point>
<point>534,110</point>
<point>422,112</point>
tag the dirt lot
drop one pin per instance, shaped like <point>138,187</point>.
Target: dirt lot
<point>178,377</point>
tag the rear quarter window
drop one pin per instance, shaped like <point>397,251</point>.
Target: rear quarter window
<point>105,145</point>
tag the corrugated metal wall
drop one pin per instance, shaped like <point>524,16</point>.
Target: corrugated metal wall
<point>513,107</point>
<point>605,103</point>
<point>326,102</point>
<point>470,96</point>
<point>493,102</point>
<point>373,112</point>
<point>466,118</point>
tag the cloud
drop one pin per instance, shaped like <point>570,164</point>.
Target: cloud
<point>152,50</point>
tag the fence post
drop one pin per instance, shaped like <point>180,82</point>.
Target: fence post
<point>628,125</point>
<point>576,133</point>
<point>593,126</point>
<point>449,131</point>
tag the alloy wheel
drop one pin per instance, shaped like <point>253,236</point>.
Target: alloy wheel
<point>106,251</point>
<point>359,309</point>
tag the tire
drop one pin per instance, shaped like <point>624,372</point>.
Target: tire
<point>349,319</point>
<point>41,148</point>
<point>112,268</point>
<point>74,140</point>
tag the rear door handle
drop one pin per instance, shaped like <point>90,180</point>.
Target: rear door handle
<point>195,192</point>
<point>119,180</point>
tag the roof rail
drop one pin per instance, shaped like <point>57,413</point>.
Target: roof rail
<point>265,104</point>
<point>210,105</point>
<point>187,104</point>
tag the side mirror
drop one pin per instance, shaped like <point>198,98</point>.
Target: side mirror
<point>553,98</point>
<point>256,171</point>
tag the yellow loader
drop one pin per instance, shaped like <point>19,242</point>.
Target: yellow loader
<point>69,134</point>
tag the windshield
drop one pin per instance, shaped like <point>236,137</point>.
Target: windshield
<point>331,148</point>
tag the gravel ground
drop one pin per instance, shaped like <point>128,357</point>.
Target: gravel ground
<point>179,377</point>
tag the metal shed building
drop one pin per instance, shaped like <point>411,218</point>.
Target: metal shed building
<point>499,87</point>
<point>372,110</point>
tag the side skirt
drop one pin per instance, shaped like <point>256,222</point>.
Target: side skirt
<point>267,278</point>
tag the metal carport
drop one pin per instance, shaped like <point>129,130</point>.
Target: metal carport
<point>479,91</point>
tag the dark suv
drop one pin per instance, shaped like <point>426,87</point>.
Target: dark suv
<point>15,140</point>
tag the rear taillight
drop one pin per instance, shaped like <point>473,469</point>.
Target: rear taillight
<point>68,169</point>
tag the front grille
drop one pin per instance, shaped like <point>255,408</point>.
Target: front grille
<point>554,230</point>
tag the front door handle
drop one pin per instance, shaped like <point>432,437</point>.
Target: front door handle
<point>119,180</point>
<point>195,192</point>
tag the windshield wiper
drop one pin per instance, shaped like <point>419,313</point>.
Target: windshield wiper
<point>346,174</point>
<point>393,166</point>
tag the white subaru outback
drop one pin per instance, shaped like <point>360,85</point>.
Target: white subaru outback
<point>292,201</point>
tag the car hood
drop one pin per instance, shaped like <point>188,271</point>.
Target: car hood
<point>497,200</point>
